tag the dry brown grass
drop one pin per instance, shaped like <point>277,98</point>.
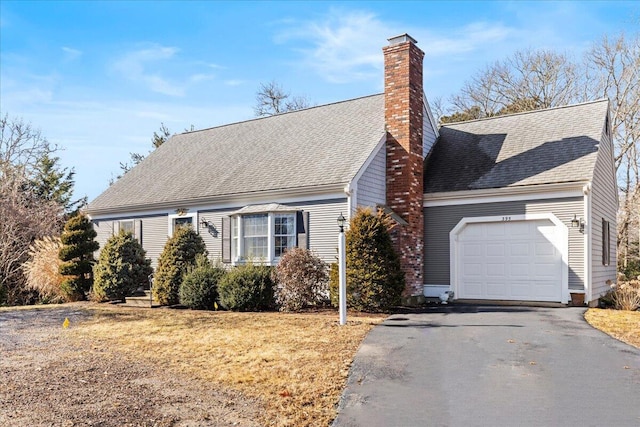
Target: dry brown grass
<point>622,325</point>
<point>295,364</point>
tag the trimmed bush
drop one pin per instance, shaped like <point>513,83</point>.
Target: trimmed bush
<point>375,281</point>
<point>121,268</point>
<point>42,271</point>
<point>301,280</point>
<point>247,287</point>
<point>77,256</point>
<point>199,289</point>
<point>177,257</point>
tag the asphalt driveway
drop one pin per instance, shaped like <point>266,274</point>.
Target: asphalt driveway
<point>492,366</point>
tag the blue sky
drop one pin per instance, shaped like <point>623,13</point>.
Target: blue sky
<point>98,78</point>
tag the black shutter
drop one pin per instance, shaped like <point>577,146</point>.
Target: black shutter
<point>302,229</point>
<point>226,239</point>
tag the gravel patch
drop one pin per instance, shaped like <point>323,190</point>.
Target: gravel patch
<point>49,377</point>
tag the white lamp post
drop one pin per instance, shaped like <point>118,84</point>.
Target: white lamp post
<point>342,270</point>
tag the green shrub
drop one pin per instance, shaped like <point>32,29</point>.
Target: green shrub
<point>247,287</point>
<point>334,281</point>
<point>121,268</point>
<point>76,253</point>
<point>177,257</point>
<point>199,289</point>
<point>301,280</point>
<point>375,280</point>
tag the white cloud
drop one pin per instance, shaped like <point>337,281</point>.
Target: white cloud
<point>134,66</point>
<point>70,53</point>
<point>466,39</point>
<point>344,46</point>
<point>233,82</point>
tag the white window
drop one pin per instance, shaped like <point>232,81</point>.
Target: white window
<point>177,220</point>
<point>127,226</point>
<point>284,233</point>
<point>262,237</point>
<point>255,231</point>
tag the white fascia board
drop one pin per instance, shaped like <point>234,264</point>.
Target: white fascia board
<point>505,194</point>
<point>351,189</point>
<point>367,162</point>
<point>231,202</point>
<point>432,119</point>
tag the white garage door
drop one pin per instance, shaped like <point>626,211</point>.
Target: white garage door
<point>509,260</point>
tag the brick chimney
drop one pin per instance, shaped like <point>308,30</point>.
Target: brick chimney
<point>403,112</point>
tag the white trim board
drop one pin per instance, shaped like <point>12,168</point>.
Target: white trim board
<point>506,194</point>
<point>221,206</point>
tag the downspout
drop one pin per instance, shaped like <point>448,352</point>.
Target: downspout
<point>351,190</point>
<point>588,265</point>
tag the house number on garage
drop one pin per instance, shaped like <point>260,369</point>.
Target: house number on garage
<point>506,218</point>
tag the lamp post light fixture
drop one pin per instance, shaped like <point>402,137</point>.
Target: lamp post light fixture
<point>342,270</point>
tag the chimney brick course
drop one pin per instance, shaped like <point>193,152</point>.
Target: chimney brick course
<point>403,118</point>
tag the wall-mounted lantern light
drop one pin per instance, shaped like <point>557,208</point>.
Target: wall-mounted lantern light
<point>577,222</point>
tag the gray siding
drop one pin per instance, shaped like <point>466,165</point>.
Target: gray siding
<point>322,233</point>
<point>604,204</point>
<point>428,134</point>
<point>372,184</point>
<point>154,236</point>
<point>154,233</point>
<point>440,220</point>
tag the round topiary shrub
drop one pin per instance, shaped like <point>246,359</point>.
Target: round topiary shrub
<point>199,289</point>
<point>375,280</point>
<point>247,287</point>
<point>177,257</point>
<point>121,268</point>
<point>301,280</point>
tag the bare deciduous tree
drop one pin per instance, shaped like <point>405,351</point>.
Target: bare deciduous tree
<point>528,80</point>
<point>272,99</point>
<point>26,215</point>
<point>613,71</point>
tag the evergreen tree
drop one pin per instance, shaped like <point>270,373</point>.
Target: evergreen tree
<point>77,256</point>
<point>177,257</point>
<point>53,183</point>
<point>121,268</point>
<point>375,280</point>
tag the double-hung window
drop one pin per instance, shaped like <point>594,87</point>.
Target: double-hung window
<point>284,234</point>
<point>255,235</point>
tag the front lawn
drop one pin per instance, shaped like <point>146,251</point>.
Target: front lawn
<point>296,365</point>
<point>620,324</point>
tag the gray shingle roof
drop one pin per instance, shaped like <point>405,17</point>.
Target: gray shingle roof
<point>538,147</point>
<point>317,146</point>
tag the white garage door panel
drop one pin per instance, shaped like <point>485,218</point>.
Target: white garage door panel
<point>515,260</point>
